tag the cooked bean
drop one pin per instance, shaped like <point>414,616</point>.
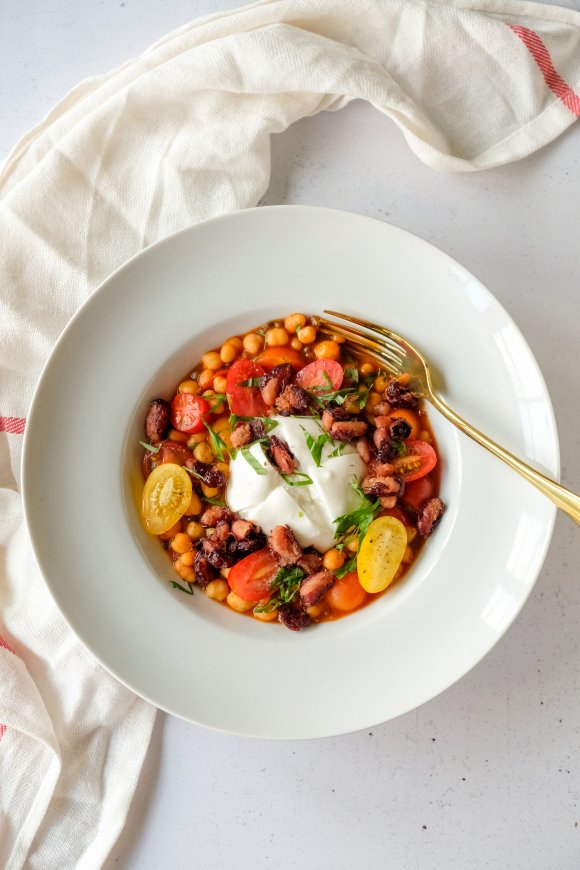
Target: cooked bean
<point>188,558</point>
<point>293,321</point>
<point>181,543</point>
<point>327,350</point>
<point>195,530</point>
<point>209,491</point>
<point>228,352</point>
<point>238,604</point>
<point>333,559</point>
<point>195,507</point>
<point>202,453</point>
<point>188,387</point>
<point>253,343</point>
<point>277,337</point>
<point>219,384</point>
<point>205,379</point>
<point>307,334</point>
<point>211,360</point>
<point>170,533</point>
<point>176,435</point>
<point>184,571</point>
<point>266,615</point>
<point>218,590</point>
<point>197,439</point>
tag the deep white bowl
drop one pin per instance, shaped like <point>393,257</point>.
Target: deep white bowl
<point>136,337</point>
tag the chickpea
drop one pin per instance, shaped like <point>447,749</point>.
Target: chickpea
<point>202,452</point>
<point>198,438</point>
<point>327,350</point>
<point>307,335</point>
<point>380,383</point>
<point>209,491</point>
<point>411,533</point>
<point>195,530</point>
<point>211,360</point>
<point>228,352</point>
<point>315,610</point>
<point>217,590</point>
<point>408,555</point>
<point>373,399</point>
<point>352,546</point>
<point>181,543</point>
<point>296,343</point>
<point>219,384</point>
<point>188,558</point>
<point>333,559</point>
<point>339,339</point>
<point>237,603</point>
<point>176,435</point>
<point>277,337</point>
<point>166,536</point>
<point>237,342</point>
<point>194,507</point>
<point>223,467</point>
<point>188,387</point>
<point>205,379</point>
<point>368,368</point>
<point>184,571</point>
<point>221,423</point>
<point>404,379</point>
<point>225,572</point>
<point>351,404</point>
<point>424,436</point>
<point>253,343</point>
<point>226,437</point>
<point>293,321</point>
<point>266,615</point>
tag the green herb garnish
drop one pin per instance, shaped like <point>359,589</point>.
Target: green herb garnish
<point>149,447</point>
<point>250,382</point>
<point>183,589</point>
<point>285,586</point>
<point>358,521</point>
<point>303,479</point>
<point>216,401</point>
<point>316,445</point>
<point>251,459</point>
<point>218,444</point>
<point>338,451</point>
<point>217,501</point>
<point>267,422</point>
<point>399,448</point>
<point>349,565</point>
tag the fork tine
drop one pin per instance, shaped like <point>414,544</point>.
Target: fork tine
<point>393,339</point>
<point>394,360</point>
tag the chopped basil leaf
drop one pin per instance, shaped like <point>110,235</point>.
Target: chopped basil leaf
<point>251,459</point>
<point>316,445</point>
<point>250,382</point>
<point>351,374</point>
<point>149,447</point>
<point>358,521</point>
<point>284,587</point>
<point>218,502</point>
<point>183,589</point>
<point>193,473</point>
<point>216,401</point>
<point>219,445</point>
<point>303,479</point>
<point>349,565</point>
<point>399,448</point>
<point>338,451</point>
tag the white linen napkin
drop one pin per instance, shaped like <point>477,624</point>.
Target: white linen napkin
<point>179,134</point>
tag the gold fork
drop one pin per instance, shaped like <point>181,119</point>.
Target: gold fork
<point>400,356</point>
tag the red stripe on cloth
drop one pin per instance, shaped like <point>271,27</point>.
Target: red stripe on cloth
<point>2,731</point>
<point>14,425</point>
<point>552,78</point>
<point>9,648</point>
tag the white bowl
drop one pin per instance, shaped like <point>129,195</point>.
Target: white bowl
<point>136,337</point>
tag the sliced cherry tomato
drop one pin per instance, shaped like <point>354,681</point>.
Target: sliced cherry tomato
<point>276,356</point>
<point>418,462</point>
<point>346,593</point>
<point>166,497</point>
<point>252,577</point>
<point>313,375</point>
<point>381,553</point>
<point>245,401</point>
<point>418,491</point>
<point>411,417</point>
<point>188,412</point>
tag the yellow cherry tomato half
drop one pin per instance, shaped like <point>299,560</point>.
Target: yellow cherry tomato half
<point>166,497</point>
<point>381,553</point>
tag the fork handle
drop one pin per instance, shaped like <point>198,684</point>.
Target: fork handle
<point>564,499</point>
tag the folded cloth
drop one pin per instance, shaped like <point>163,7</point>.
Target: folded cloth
<point>179,134</point>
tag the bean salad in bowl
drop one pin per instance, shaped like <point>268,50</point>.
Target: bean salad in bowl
<point>288,479</point>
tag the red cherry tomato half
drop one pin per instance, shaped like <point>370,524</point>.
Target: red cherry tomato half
<point>276,356</point>
<point>251,578</point>
<point>245,401</point>
<point>188,412</point>
<point>418,491</point>
<point>397,513</point>
<point>312,375</point>
<point>418,462</point>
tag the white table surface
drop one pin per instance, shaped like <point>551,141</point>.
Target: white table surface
<point>487,774</point>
